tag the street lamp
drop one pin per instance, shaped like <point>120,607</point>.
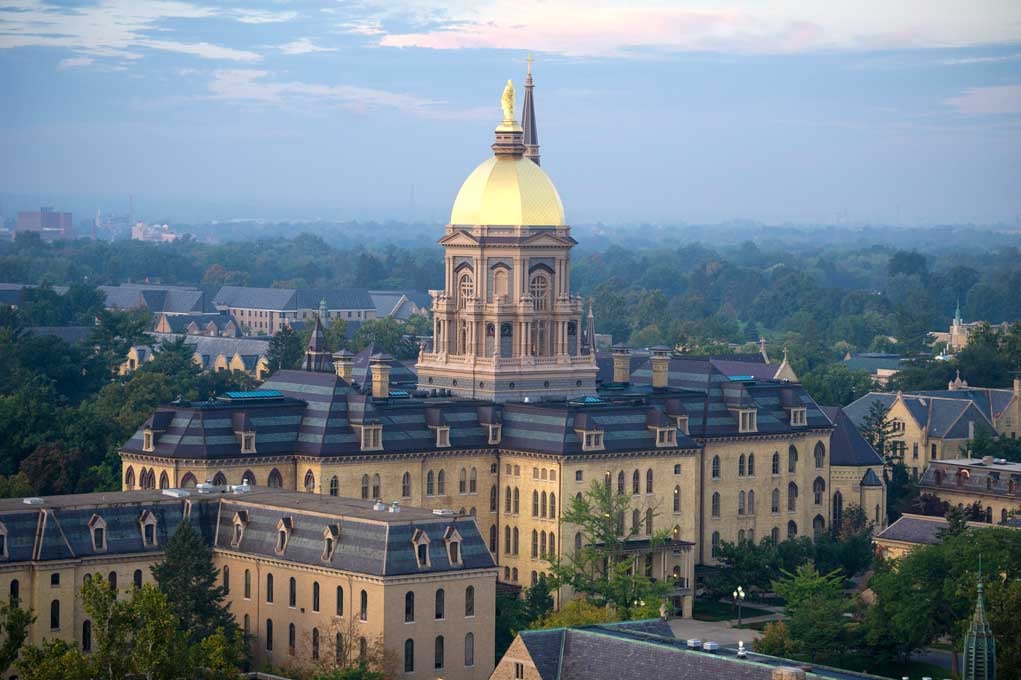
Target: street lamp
<point>738,600</point>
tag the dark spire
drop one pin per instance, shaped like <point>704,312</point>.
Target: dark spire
<point>979,643</point>
<point>317,356</point>
<point>531,138</point>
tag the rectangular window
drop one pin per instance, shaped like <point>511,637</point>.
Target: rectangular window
<point>578,475</point>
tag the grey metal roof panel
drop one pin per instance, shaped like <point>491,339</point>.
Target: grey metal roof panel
<point>914,529</point>
<point>401,558</point>
<point>859,408</point>
<point>544,649</point>
<point>847,446</point>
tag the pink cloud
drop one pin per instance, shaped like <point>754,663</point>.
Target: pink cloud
<point>997,99</point>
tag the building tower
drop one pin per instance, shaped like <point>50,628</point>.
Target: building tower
<point>979,644</point>
<point>506,326</point>
<point>531,132</point>
<point>318,358</point>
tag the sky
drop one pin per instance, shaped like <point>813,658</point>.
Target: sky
<point>900,112</point>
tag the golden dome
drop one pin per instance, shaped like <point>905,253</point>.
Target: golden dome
<point>508,190</point>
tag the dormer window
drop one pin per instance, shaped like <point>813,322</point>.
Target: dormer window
<point>372,437</point>
<point>799,417</point>
<point>3,542</point>
<point>591,440</point>
<point>665,436</point>
<point>247,442</point>
<point>331,534</point>
<point>420,541</point>
<point>284,529</point>
<point>147,523</point>
<point>681,423</point>
<point>747,420</point>
<point>240,522</point>
<point>442,436</point>
<point>452,538</point>
<point>495,433</point>
<point>148,440</point>
<point>97,527</point>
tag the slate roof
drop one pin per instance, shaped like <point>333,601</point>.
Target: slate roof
<point>157,298</point>
<point>647,649</point>
<point>990,402</point>
<point>946,413</point>
<point>859,408</point>
<point>394,303</point>
<point>179,322</point>
<point>209,347</point>
<point>847,446</point>
<point>370,541</point>
<point>72,335</point>
<point>281,299</point>
<point>920,529</point>
<point>874,361</point>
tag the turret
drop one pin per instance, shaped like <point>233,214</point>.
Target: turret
<point>979,643</point>
<point>621,364</point>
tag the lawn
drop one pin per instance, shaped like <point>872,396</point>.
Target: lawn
<point>710,610</point>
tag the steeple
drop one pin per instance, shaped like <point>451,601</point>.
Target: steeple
<point>590,330</point>
<point>957,312</point>
<point>979,643</point>
<point>317,355</point>
<point>531,138</point>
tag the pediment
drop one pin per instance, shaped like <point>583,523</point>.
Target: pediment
<point>459,238</point>
<point>546,239</point>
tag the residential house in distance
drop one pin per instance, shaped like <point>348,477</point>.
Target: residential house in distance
<point>310,579</point>
<point>213,324</point>
<point>993,482</point>
<point>644,649</point>
<point>153,233</point>
<point>959,334</point>
<point>400,304</point>
<point>910,531</point>
<point>51,225</point>
<point>248,355</point>
<point>937,424</point>
<point>880,365</point>
<point>158,299</point>
<point>264,311</point>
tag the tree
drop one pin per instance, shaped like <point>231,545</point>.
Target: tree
<point>603,570</point>
<point>385,335</point>
<point>538,601</point>
<point>190,581</point>
<point>336,334</point>
<point>815,607</point>
<point>576,612</point>
<point>776,641</point>
<point>957,522</point>
<point>14,623</point>
<point>360,672</point>
<point>285,350</point>
<point>836,384</point>
<point>876,428</point>
<point>510,618</point>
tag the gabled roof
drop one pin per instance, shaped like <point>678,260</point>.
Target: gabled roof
<point>859,408</point>
<point>847,446</point>
<point>286,299</point>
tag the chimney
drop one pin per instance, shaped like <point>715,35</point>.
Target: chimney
<point>787,673</point>
<point>1017,384</point>
<point>379,364</point>
<point>344,363</point>
<point>660,366</point>
<point>621,364</point>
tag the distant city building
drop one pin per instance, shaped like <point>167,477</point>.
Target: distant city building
<point>959,335</point>
<point>212,324</point>
<point>51,225</point>
<point>158,299</point>
<point>319,581</point>
<point>880,365</point>
<point>264,311</point>
<point>153,233</point>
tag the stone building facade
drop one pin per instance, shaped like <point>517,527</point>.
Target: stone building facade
<point>994,483</point>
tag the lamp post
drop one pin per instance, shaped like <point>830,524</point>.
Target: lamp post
<point>738,600</point>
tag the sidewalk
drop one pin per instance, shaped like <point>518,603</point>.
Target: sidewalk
<point>723,632</point>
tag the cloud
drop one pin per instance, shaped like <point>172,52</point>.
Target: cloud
<point>258,16</point>
<point>303,46</point>
<point>619,27</point>
<point>982,60</point>
<point>254,86</point>
<point>997,99</point>
<point>74,62</point>
<point>110,28</point>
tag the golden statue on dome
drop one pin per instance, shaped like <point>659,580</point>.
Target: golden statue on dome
<point>507,101</point>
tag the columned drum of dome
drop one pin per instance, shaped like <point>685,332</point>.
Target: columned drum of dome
<point>506,326</point>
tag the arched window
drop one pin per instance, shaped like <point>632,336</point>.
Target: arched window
<point>315,596</point>
<point>516,543</point>
<point>535,503</point>
<point>818,525</point>
<point>542,544</point>
<point>226,578</point>
<point>469,601</point>
<point>86,636</point>
<point>818,489</point>
<point>340,601</point>
<point>792,497</point>
<point>740,466</point>
<point>441,483</point>
<point>751,464</point>
<point>506,540</point>
<point>792,459</point>
<point>310,482</point>
<point>334,486</point>
<point>248,584</point>
<point>716,504</point>
<point>648,481</point>
<point>636,481</point>
<point>248,477</point>
<point>542,504</point>
<point>774,501</point>
<point>292,593</point>
<point>291,638</point>
<point>129,481</point>
<point>776,463</point>
<point>112,579</point>
<point>365,487</point>
<point>430,479</point>
<point>535,544</point>
<point>740,502</point>
<point>740,536</point>
<point>315,643</point>
<point>636,518</point>
<point>792,529</point>
<point>648,522</point>
<point>577,543</point>
<point>838,507</point>
<point>716,544</point>
<point>375,487</point>
<point>620,483</point>
<point>473,481</point>
<point>137,578</point>
<point>55,615</point>
<point>553,505</point>
<point>219,479</point>
<point>275,480</point>
<point>716,467</point>
<point>16,592</point>
<point>774,535</point>
<point>409,607</point>
<point>493,500</point>
<point>517,501</point>
<point>406,485</point>
<point>363,606</point>
<point>269,635</point>
<point>438,652</point>
<point>820,456</point>
<point>338,649</point>
<point>188,481</point>
<point>469,650</point>
<point>539,289</point>
<point>409,656</point>
<point>462,481</point>
<point>507,500</point>
<point>164,481</point>
<point>492,538</point>
<point>751,502</point>
<point>465,289</point>
<point>440,604</point>
<point>552,545</point>
<point>677,498</point>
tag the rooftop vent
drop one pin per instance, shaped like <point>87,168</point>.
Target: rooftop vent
<point>244,487</point>
<point>34,500</point>
<point>444,512</point>
<point>379,506</point>
<point>694,644</point>
<point>395,507</point>
<point>205,487</point>
<point>711,647</point>
<point>741,651</point>
<point>176,493</point>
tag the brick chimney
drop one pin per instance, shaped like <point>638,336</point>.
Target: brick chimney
<point>660,366</point>
<point>621,364</point>
<point>379,364</point>
<point>344,363</point>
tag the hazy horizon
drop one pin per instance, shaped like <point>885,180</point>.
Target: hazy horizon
<point>706,112</point>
